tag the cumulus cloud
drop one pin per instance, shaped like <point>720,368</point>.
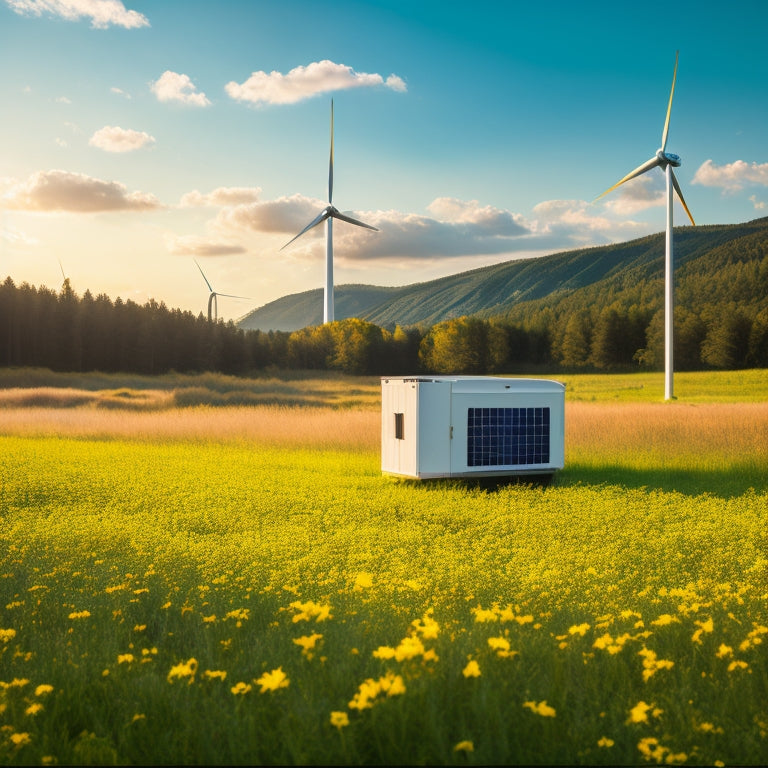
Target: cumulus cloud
<point>732,177</point>
<point>287,215</point>
<point>304,82</point>
<point>102,13</point>
<point>76,193</point>
<point>120,92</point>
<point>222,197</point>
<point>111,138</point>
<point>759,204</point>
<point>172,86</point>
<point>195,245</point>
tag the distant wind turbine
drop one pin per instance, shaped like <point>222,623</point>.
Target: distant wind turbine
<point>213,303</point>
<point>666,161</point>
<point>328,214</point>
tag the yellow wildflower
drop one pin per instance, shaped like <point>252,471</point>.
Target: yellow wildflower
<point>20,739</point>
<point>209,619</point>
<point>182,670</point>
<point>605,742</point>
<point>464,746</point>
<point>7,634</point>
<point>363,581</point>
<point>664,620</point>
<point>240,689</point>
<point>125,658</point>
<point>651,749</point>
<point>704,627</point>
<point>542,708</point>
<point>307,643</point>
<point>311,610</point>
<point>271,681</point>
<point>639,713</point>
<point>215,674</point>
<point>43,689</point>
<point>651,664</point>
<point>734,665</point>
<point>484,615</point>
<point>339,719</point>
<point>724,651</point>
<point>33,709</point>
<point>472,669</point>
<point>427,627</point>
<point>79,614</point>
<point>579,629</point>
<point>240,615</point>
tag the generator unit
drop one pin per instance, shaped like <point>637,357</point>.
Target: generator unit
<point>471,426</point>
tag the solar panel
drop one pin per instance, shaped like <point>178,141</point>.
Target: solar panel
<point>507,436</point>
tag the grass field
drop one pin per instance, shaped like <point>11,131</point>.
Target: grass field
<point>208,584</point>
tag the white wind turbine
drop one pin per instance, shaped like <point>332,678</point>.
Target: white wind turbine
<point>328,214</point>
<point>666,161</point>
<point>213,302</point>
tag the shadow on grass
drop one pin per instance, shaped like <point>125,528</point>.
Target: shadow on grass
<point>725,483</point>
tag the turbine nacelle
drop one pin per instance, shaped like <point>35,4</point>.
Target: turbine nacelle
<point>668,158</point>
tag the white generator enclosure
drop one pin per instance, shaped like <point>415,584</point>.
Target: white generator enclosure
<point>471,426</point>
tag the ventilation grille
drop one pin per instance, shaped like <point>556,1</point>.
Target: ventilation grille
<point>507,436</point>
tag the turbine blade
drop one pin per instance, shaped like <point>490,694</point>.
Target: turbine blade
<point>330,163</point>
<point>680,195</point>
<point>343,217</point>
<point>317,220</point>
<point>646,166</point>
<point>204,277</point>
<point>231,296</point>
<point>669,106</point>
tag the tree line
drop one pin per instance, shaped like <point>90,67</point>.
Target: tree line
<point>63,331</point>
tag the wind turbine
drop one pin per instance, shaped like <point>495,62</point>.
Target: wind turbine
<point>666,161</point>
<point>328,214</point>
<point>213,302</point>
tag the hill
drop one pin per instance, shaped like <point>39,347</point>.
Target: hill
<point>504,289</point>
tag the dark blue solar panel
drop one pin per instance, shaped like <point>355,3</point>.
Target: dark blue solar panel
<point>507,436</point>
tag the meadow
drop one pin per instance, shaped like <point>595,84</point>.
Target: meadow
<point>189,576</point>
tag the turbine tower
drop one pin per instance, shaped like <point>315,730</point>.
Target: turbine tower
<point>213,302</point>
<point>666,161</point>
<point>328,214</point>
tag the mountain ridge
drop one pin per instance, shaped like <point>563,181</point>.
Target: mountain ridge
<point>497,289</point>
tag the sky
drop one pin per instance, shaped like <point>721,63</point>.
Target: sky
<point>142,136</point>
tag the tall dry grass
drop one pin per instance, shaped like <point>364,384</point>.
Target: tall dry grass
<point>320,428</point>
<point>674,430</point>
<point>662,432</point>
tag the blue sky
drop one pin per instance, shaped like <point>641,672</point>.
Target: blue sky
<point>139,136</point>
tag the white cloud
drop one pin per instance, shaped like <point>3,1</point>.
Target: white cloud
<point>286,215</point>
<point>102,13</point>
<point>195,245</point>
<point>304,82</point>
<point>759,204</point>
<point>172,86</point>
<point>112,138</point>
<point>638,194</point>
<point>223,197</point>
<point>120,92</point>
<point>732,177</point>
<point>16,237</point>
<point>63,100</point>
<point>74,192</point>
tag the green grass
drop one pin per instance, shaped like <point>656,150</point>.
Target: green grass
<point>123,560</point>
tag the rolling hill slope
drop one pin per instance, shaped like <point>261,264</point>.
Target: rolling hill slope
<point>498,289</point>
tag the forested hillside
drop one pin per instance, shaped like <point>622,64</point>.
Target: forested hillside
<point>501,289</point>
